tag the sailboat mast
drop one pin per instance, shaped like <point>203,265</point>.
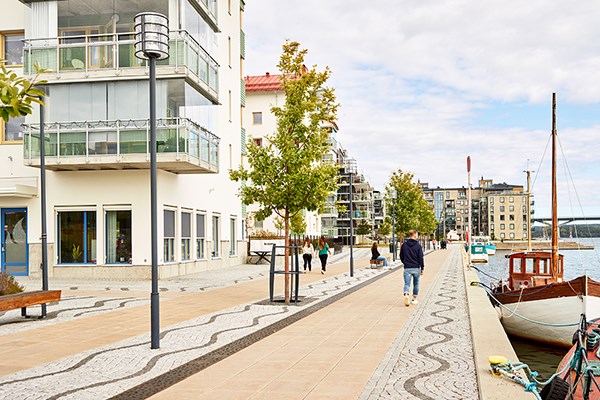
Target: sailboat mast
<point>528,222</point>
<point>554,265</point>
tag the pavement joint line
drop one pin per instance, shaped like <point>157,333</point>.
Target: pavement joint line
<point>27,386</point>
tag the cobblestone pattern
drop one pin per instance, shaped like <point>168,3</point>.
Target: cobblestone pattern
<point>132,366</point>
<point>432,358</point>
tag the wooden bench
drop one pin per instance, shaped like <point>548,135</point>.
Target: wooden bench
<point>26,299</point>
<point>376,263</point>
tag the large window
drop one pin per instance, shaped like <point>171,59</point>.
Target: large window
<point>169,235</point>
<point>12,48</point>
<point>200,236</point>
<point>233,241</point>
<point>77,237</point>
<point>118,237</point>
<point>216,234</point>
<point>186,235</point>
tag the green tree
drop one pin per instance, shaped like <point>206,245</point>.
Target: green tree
<point>298,224</point>
<point>385,228</point>
<point>18,93</point>
<point>363,228</point>
<point>288,174</point>
<point>408,207</point>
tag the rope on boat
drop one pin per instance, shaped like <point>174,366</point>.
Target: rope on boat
<point>485,273</point>
<point>489,292</point>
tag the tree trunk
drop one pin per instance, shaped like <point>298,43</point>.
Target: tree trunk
<point>287,257</point>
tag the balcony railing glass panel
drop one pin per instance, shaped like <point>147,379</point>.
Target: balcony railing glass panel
<point>122,137</point>
<point>77,52</point>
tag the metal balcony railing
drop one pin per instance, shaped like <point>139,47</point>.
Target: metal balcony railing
<point>179,140</point>
<point>115,51</point>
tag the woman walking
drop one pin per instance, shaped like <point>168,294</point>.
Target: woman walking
<point>323,250</point>
<point>307,252</point>
<point>376,256</point>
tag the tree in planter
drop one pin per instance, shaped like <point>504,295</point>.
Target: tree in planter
<point>363,228</point>
<point>288,174</point>
<point>409,208</point>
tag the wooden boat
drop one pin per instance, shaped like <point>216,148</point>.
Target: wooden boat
<point>536,300</point>
<point>579,370</point>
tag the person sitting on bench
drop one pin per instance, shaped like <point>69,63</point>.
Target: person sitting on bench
<point>376,256</point>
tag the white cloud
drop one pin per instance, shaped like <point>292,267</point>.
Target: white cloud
<point>412,75</point>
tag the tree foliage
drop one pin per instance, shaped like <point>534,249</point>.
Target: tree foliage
<point>363,228</point>
<point>409,209</point>
<point>17,94</point>
<point>386,228</point>
<point>287,174</point>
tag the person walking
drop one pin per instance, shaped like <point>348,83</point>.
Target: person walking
<point>411,255</point>
<point>376,256</point>
<point>323,250</point>
<point>307,253</point>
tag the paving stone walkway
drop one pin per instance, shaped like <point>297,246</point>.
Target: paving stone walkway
<point>432,357</point>
<point>127,365</point>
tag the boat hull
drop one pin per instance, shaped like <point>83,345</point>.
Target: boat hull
<point>559,303</point>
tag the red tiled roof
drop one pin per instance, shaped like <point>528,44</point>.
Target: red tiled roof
<point>263,83</point>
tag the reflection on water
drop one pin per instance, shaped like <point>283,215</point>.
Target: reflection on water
<point>540,358</point>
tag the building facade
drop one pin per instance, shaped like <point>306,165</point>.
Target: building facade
<point>497,210</point>
<point>264,92</point>
<point>97,140</point>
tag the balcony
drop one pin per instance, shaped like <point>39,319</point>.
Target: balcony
<point>183,147</point>
<point>79,58</point>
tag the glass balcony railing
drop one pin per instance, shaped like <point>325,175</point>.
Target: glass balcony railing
<point>182,145</point>
<point>115,52</point>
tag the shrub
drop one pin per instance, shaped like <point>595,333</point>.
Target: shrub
<point>8,284</point>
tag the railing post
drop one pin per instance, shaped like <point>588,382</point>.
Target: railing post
<point>118,139</point>
<point>57,57</point>
<point>87,141</point>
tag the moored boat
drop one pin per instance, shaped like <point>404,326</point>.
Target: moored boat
<point>580,367</point>
<point>478,253</point>
<point>537,303</point>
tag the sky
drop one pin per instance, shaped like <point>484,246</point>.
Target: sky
<point>423,84</point>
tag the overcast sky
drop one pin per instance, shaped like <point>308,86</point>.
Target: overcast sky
<point>422,84</point>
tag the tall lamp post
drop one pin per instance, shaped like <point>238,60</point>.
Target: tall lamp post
<point>351,222</point>
<point>393,197</point>
<point>43,207</point>
<point>152,43</point>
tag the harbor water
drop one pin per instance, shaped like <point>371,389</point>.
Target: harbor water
<point>544,359</point>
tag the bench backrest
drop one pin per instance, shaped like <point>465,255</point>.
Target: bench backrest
<point>26,299</point>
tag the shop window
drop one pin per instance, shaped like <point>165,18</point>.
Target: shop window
<point>216,234</point>
<point>200,236</point>
<point>233,240</point>
<point>169,235</point>
<point>77,237</point>
<point>118,237</point>
<point>186,235</point>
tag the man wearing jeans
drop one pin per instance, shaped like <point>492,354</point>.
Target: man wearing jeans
<point>411,255</point>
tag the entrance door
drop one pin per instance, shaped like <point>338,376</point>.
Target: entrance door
<point>14,247</point>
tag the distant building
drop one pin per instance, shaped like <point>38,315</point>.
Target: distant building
<point>498,210</point>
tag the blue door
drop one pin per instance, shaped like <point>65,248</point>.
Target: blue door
<point>14,252</point>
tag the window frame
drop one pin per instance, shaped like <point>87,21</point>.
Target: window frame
<point>186,241</point>
<point>169,241</point>
<point>201,239</point>
<point>257,114</point>
<point>85,249</point>
<point>3,36</point>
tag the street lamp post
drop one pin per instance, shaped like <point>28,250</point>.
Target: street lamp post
<point>351,229</point>
<point>393,197</point>
<point>44,235</point>
<point>152,43</point>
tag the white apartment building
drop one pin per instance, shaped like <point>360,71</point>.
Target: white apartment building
<point>262,93</point>
<point>97,146</point>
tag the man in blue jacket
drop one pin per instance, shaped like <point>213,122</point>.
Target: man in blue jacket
<point>411,255</point>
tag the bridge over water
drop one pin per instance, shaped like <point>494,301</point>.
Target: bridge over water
<point>566,220</point>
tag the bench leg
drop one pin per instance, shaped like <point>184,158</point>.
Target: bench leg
<point>24,312</point>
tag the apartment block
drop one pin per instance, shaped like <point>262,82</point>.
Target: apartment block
<point>497,210</point>
<point>264,92</point>
<point>96,142</point>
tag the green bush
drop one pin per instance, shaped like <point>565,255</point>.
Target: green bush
<point>8,284</point>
